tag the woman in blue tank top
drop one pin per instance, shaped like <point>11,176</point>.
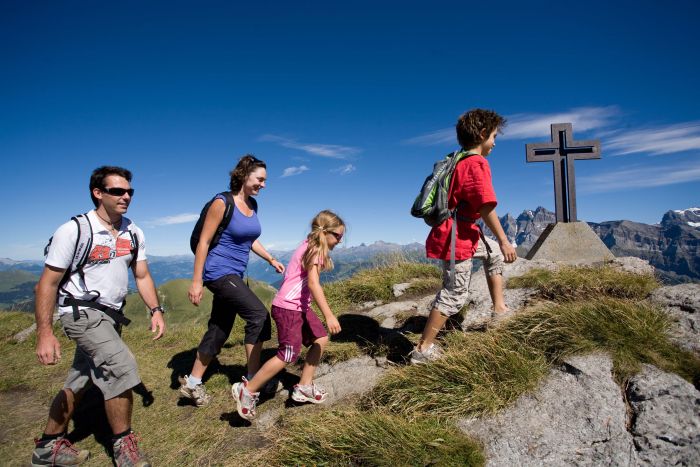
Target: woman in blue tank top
<point>221,271</point>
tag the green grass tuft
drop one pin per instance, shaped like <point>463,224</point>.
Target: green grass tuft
<point>375,284</point>
<point>573,283</point>
<point>352,437</point>
<point>483,373</point>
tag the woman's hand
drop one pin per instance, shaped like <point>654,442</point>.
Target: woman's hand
<point>279,267</point>
<point>195,293</point>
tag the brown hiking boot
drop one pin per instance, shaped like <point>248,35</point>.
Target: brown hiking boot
<point>128,454</point>
<point>59,452</point>
<point>198,395</point>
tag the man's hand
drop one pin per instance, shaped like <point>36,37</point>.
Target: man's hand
<point>333,325</point>
<point>158,324</point>
<point>509,254</point>
<point>48,349</point>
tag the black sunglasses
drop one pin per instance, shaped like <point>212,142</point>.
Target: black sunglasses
<point>118,191</point>
<point>337,236</point>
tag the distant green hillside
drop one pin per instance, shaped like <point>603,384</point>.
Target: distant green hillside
<point>179,310</point>
<point>17,289</point>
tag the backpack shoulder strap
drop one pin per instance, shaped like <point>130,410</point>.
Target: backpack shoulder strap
<point>228,211</point>
<point>81,251</point>
<point>134,243</point>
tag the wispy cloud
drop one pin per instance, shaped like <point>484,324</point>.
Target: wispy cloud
<point>530,125</point>
<point>345,169</point>
<point>640,177</point>
<point>171,220</point>
<point>333,151</point>
<point>654,141</point>
<point>291,171</point>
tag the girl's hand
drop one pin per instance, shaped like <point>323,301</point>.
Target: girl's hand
<point>195,293</point>
<point>279,267</point>
<point>333,325</point>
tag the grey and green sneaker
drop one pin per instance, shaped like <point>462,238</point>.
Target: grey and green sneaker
<point>198,395</point>
<point>58,451</point>
<point>246,401</point>
<point>128,454</point>
<point>432,353</point>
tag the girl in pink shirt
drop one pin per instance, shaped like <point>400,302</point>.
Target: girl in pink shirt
<point>296,321</point>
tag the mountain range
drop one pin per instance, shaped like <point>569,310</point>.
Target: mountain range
<point>672,247</point>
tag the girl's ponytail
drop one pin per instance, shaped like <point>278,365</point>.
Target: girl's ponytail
<point>317,250</point>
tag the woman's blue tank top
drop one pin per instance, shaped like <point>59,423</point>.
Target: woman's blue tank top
<point>230,255</point>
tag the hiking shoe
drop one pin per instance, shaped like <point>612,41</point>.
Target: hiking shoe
<point>309,393</point>
<point>58,452</point>
<point>198,395</point>
<point>128,454</point>
<point>246,401</point>
<point>432,353</point>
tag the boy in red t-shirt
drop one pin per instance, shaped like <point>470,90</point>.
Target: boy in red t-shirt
<point>473,194</point>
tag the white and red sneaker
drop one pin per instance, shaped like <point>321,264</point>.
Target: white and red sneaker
<point>309,393</point>
<point>246,401</point>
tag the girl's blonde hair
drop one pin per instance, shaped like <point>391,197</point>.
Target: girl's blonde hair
<point>325,221</point>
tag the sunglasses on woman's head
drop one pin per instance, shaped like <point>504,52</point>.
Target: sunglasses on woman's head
<point>118,191</point>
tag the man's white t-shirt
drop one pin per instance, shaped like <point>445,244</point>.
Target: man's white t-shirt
<point>106,272</point>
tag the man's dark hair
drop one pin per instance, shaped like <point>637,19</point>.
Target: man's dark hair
<point>97,179</point>
<point>471,124</point>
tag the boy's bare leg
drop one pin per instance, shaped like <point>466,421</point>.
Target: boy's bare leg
<point>495,283</point>
<point>313,357</point>
<point>436,321</point>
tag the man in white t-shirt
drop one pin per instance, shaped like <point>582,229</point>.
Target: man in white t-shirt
<point>90,304</point>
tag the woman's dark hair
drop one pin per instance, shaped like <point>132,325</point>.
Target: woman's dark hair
<point>471,124</point>
<point>246,165</point>
<point>97,179</point>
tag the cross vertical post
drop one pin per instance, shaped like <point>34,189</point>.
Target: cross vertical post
<point>563,151</point>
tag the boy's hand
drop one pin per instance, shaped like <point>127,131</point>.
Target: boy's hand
<point>509,254</point>
<point>333,325</point>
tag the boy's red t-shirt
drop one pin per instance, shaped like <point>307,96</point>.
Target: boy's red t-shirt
<point>471,183</point>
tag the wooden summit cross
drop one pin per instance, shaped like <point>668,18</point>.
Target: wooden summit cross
<point>562,151</point>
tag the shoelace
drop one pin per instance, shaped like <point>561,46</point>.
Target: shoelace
<point>62,443</point>
<point>130,443</point>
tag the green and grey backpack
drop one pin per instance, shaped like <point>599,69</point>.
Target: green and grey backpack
<point>431,202</point>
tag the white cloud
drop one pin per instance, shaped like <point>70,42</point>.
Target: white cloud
<point>345,169</point>
<point>176,219</point>
<point>640,177</point>
<point>333,151</point>
<point>661,140</point>
<point>291,171</point>
<point>531,125</point>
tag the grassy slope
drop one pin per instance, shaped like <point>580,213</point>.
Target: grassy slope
<point>481,373</point>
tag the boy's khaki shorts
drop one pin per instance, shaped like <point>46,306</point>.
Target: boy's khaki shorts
<point>449,300</point>
<point>101,356</point>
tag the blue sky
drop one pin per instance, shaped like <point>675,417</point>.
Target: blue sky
<point>349,106</point>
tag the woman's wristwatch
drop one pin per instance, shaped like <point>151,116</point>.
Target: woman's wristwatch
<point>157,308</point>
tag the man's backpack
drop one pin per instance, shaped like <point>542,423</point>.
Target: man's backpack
<point>228,214</point>
<point>81,254</point>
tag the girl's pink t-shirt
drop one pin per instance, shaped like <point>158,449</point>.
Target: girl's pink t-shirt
<point>294,293</point>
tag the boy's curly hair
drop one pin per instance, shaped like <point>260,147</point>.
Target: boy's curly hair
<point>471,124</point>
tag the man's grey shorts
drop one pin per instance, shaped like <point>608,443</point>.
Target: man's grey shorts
<point>449,300</point>
<point>101,356</point>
